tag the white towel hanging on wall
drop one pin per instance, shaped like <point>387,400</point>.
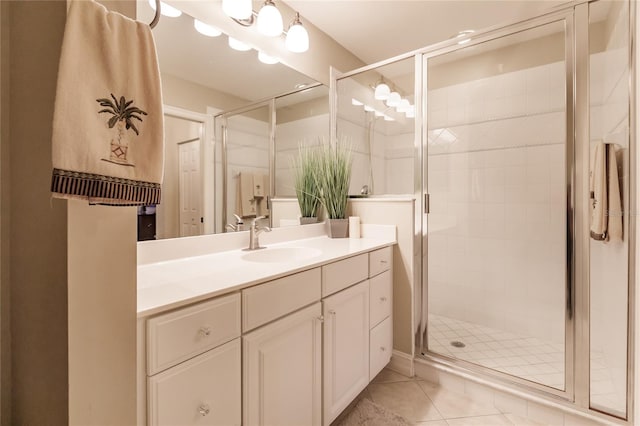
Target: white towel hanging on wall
<point>606,202</point>
<point>107,143</point>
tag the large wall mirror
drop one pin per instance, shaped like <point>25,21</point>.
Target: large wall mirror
<point>203,76</point>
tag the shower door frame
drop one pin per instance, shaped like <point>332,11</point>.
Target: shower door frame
<point>573,179</point>
<point>577,319</point>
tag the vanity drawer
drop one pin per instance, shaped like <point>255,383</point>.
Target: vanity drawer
<point>380,347</point>
<point>380,298</point>
<point>185,333</point>
<point>344,273</point>
<point>379,261</point>
<point>266,302</point>
<point>205,390</point>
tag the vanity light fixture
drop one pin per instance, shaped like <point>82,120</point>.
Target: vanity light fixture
<point>237,9</point>
<point>166,10</point>
<point>236,44</point>
<point>206,29</point>
<point>394,99</point>
<point>297,39</point>
<point>270,20</point>
<point>266,59</point>
<point>382,91</point>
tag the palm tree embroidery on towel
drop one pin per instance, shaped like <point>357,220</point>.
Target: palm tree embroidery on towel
<point>123,113</point>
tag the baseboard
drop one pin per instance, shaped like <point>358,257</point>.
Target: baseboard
<point>402,363</point>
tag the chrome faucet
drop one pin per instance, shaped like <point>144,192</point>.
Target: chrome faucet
<point>239,225</point>
<point>254,232</point>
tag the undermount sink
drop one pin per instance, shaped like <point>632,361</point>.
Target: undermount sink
<point>281,254</point>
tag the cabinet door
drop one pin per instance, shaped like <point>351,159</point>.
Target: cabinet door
<point>202,391</point>
<point>346,348</point>
<point>282,371</point>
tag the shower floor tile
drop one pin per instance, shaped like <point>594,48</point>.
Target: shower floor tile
<point>530,358</point>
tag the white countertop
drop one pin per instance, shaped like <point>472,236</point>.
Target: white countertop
<point>174,283</point>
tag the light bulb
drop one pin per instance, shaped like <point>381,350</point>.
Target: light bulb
<point>238,9</point>
<point>205,29</point>
<point>236,44</point>
<point>266,59</point>
<point>165,9</point>
<point>270,20</point>
<point>297,40</point>
<point>382,92</point>
<point>394,99</point>
<point>403,106</point>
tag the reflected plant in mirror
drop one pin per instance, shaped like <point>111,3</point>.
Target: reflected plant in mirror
<point>305,167</point>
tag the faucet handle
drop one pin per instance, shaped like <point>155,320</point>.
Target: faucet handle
<point>238,219</point>
<point>256,219</point>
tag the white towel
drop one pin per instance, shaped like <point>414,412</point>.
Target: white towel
<point>598,188</point>
<point>108,122</point>
<point>245,201</point>
<point>606,202</point>
<point>614,212</point>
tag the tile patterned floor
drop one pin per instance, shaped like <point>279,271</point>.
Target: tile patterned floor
<point>527,357</point>
<point>426,404</point>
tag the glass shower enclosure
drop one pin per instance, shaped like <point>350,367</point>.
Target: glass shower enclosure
<point>522,165</point>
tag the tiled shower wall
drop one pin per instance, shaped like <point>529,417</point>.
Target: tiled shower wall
<point>496,155</point>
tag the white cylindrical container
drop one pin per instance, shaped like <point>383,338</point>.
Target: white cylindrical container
<point>354,227</point>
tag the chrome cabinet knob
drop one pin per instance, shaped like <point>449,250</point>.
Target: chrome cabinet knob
<point>204,409</point>
<point>205,331</point>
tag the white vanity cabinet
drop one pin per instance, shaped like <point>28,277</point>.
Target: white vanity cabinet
<point>346,348</point>
<point>282,360</point>
<point>282,371</point>
<point>295,350</point>
<point>357,327</point>
<point>193,364</point>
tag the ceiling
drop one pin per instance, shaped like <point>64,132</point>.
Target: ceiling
<point>372,30</point>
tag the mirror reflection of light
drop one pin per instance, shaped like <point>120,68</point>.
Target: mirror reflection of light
<point>356,102</point>
<point>165,9</point>
<point>206,29</point>
<point>236,44</point>
<point>368,108</point>
<point>266,59</point>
